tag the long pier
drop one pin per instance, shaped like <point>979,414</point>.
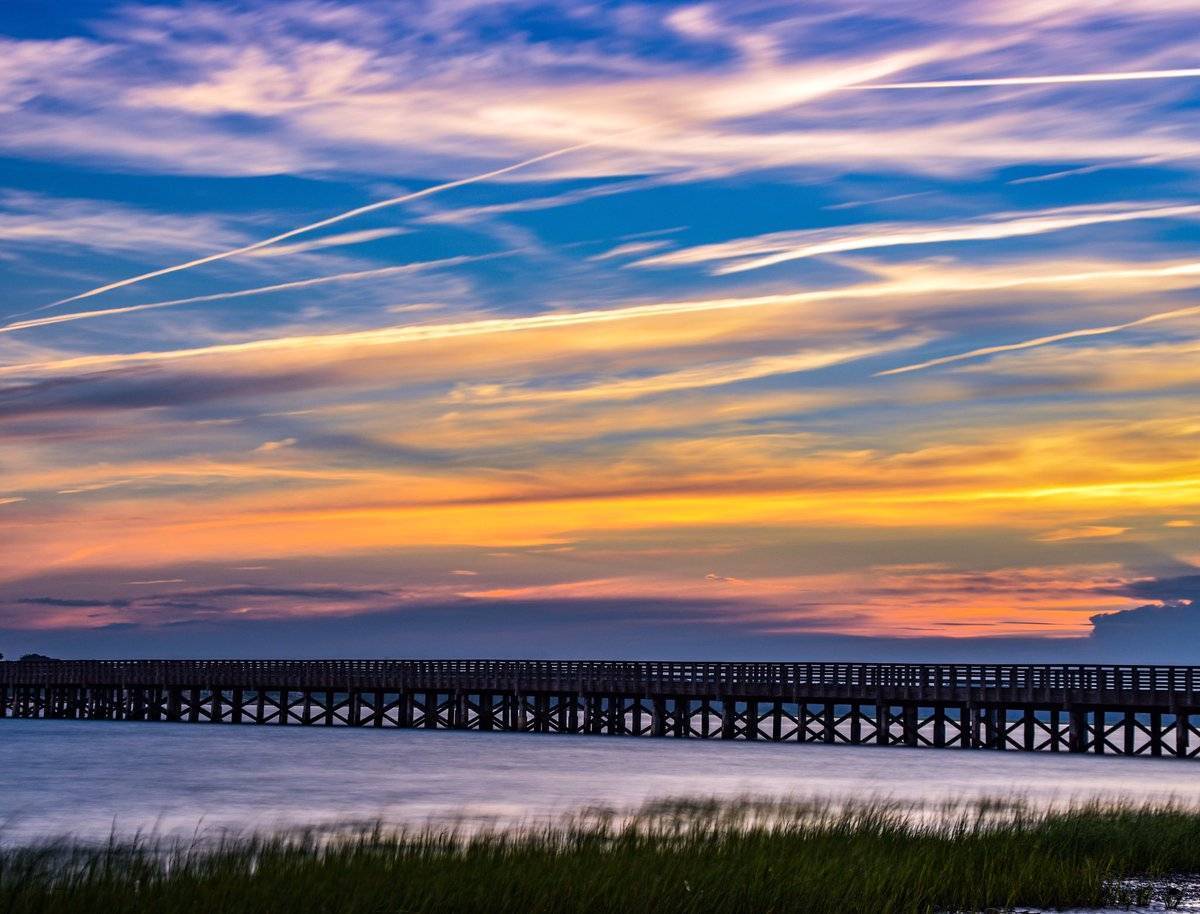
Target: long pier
<point>1129,710</point>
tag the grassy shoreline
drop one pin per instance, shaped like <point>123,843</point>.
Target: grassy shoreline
<point>673,857</point>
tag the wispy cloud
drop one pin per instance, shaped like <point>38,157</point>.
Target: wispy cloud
<point>533,204</point>
<point>713,375</point>
<point>891,198</point>
<point>268,446</point>
<point>39,221</point>
<point>631,249</point>
<point>404,334</point>
<point>1050,339</point>
<point>348,88</point>
<point>323,223</point>
<point>171,607</point>
<point>1089,532</point>
<point>375,273</point>
<point>780,247</point>
<point>330,241</point>
<point>1084,170</point>
<point>1060,79</point>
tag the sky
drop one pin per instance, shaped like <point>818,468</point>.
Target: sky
<point>855,330</point>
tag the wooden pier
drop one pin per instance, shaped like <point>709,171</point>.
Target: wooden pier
<point>1125,710</point>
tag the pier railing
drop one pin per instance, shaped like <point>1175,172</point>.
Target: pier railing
<point>532,673</point>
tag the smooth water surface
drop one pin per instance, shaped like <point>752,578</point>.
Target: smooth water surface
<point>89,778</point>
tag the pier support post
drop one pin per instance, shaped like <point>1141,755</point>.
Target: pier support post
<point>1156,734</point>
<point>683,716</point>
<point>728,718</point>
<point>911,725</point>
<point>939,726</point>
<point>458,709</point>
<point>330,704</point>
<point>487,712</point>
<point>658,722</point>
<point>988,716</point>
<point>137,702</point>
<point>969,739</point>
<point>1077,738</point>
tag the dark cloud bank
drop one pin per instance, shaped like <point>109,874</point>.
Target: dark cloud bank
<point>380,623</point>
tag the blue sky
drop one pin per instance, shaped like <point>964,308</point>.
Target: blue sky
<point>775,330</point>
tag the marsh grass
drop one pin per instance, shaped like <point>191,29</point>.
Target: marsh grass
<point>671,857</point>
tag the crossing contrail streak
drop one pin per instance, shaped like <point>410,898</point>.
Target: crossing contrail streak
<point>1045,340</point>
<point>415,267</point>
<point>419,333</point>
<point>525,163</point>
<point>331,220</point>
<point>1034,80</point>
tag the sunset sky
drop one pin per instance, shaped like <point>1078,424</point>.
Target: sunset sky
<point>478,328</point>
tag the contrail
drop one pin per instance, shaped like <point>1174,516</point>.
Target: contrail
<point>415,267</point>
<point>779,247</point>
<point>332,220</point>
<point>449,185</point>
<point>418,333</point>
<point>1045,340</point>
<point>712,375</point>
<point>1033,80</point>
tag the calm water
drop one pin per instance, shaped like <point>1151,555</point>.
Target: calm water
<point>87,778</point>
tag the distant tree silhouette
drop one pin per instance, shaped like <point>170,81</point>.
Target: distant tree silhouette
<point>34,657</point>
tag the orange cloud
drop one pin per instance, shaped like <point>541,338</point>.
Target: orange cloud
<point>1089,532</point>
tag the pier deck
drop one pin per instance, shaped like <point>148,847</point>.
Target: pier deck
<point>1133,710</point>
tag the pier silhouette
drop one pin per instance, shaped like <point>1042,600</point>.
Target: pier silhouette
<point>1130,710</point>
